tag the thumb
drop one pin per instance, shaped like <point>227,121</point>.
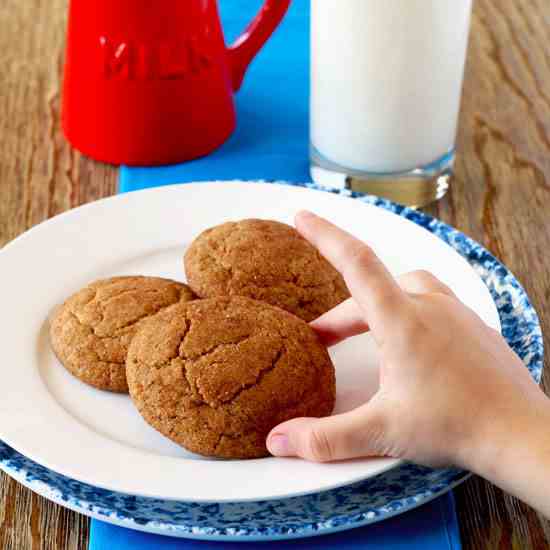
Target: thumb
<point>354,434</point>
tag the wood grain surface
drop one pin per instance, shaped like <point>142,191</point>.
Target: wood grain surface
<point>500,196</point>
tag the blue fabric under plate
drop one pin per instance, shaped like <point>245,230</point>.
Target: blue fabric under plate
<point>271,143</point>
<point>431,527</point>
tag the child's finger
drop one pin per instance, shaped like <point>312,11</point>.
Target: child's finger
<point>372,286</point>
<point>344,321</point>
<point>354,434</point>
<point>423,282</point>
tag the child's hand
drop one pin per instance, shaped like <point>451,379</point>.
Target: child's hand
<point>451,390</point>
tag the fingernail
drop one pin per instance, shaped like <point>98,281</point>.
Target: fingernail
<point>305,214</point>
<point>278,445</point>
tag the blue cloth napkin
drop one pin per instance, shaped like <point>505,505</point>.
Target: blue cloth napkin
<point>271,143</point>
<point>431,527</point>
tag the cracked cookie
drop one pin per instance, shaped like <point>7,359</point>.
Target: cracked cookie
<point>90,333</point>
<point>217,375</point>
<point>267,261</point>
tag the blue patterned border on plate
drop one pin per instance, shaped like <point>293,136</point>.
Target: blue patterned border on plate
<point>359,504</point>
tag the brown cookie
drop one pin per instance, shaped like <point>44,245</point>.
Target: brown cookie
<point>217,375</point>
<point>90,333</point>
<point>267,261</point>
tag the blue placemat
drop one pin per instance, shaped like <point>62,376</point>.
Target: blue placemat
<point>271,143</point>
<point>431,527</point>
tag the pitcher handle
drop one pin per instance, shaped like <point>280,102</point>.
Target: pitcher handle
<point>249,43</point>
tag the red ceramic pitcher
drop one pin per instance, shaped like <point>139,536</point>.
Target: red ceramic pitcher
<point>152,82</point>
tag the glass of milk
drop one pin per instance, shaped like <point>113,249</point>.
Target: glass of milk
<point>386,81</point>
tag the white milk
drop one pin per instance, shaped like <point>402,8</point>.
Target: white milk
<point>386,79</point>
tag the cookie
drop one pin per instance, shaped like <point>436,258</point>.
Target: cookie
<point>267,261</point>
<point>90,333</point>
<point>216,375</point>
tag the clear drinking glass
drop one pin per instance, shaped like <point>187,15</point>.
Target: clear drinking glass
<point>386,82</point>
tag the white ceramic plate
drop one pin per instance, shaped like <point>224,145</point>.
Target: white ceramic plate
<point>97,437</point>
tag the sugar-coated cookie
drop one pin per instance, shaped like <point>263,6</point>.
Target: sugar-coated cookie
<point>90,333</point>
<point>267,261</point>
<point>217,375</point>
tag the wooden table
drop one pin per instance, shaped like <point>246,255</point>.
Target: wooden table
<point>501,197</point>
